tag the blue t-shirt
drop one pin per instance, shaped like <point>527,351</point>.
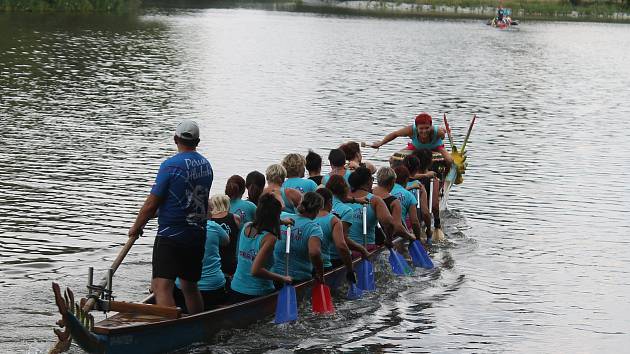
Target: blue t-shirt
<point>183,183</point>
<point>346,176</point>
<point>301,184</point>
<point>245,209</point>
<point>356,230</point>
<point>288,204</point>
<point>344,213</point>
<point>325,222</point>
<point>212,277</point>
<point>300,267</point>
<point>407,199</point>
<point>243,281</point>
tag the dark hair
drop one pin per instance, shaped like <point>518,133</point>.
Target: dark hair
<point>359,178</point>
<point>337,158</point>
<point>267,216</point>
<point>351,149</point>
<point>312,202</point>
<point>337,186</point>
<point>326,194</point>
<point>190,143</point>
<point>412,163</point>
<point>402,175</point>
<point>255,183</point>
<point>235,187</point>
<point>425,159</point>
<point>313,161</point>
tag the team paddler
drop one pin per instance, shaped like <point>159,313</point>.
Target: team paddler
<point>424,135</point>
<point>289,197</point>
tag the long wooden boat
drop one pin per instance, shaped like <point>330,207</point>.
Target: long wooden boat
<point>146,328</point>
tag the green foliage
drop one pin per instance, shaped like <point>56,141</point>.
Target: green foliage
<point>82,6</point>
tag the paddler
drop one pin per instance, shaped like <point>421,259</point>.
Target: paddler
<point>398,205</point>
<point>294,164</point>
<point>305,259</point>
<point>424,135</point>
<point>361,187</point>
<point>290,198</point>
<point>337,160</point>
<point>352,150</point>
<point>253,276</point>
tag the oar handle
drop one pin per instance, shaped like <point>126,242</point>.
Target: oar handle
<point>286,254</point>
<point>364,216</point>
<point>121,255</point>
<point>418,198</point>
<point>431,196</point>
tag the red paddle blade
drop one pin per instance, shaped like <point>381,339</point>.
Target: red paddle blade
<point>321,299</point>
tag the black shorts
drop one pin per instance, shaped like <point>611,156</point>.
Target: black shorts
<point>172,260</point>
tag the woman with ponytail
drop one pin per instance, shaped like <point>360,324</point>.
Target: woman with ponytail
<point>244,209</point>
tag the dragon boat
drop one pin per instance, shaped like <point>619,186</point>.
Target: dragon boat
<point>148,328</point>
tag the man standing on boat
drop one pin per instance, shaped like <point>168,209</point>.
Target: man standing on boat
<point>424,135</point>
<point>180,199</point>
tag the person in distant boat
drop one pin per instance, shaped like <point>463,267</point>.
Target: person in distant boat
<point>305,258</point>
<point>377,212</point>
<point>398,203</point>
<point>288,197</point>
<point>337,159</point>
<point>234,189</point>
<point>424,135</point>
<point>500,14</point>
<point>253,276</point>
<point>220,213</point>
<point>338,186</point>
<point>255,183</point>
<point>294,165</point>
<point>352,150</point>
<point>212,283</point>
<point>179,197</point>
<point>314,167</point>
<point>333,237</point>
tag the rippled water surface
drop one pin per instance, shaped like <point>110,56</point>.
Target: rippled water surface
<point>539,258</point>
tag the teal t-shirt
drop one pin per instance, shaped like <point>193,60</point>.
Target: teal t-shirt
<point>288,204</point>
<point>300,184</point>
<point>245,209</point>
<point>356,230</point>
<point>325,222</point>
<point>243,281</point>
<point>345,176</point>
<point>407,199</point>
<point>343,213</point>
<point>300,267</point>
<point>212,277</point>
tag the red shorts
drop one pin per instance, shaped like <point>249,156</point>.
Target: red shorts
<point>411,147</point>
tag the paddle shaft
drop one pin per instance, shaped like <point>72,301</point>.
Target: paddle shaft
<point>121,255</point>
<point>472,122</point>
<point>286,252</point>
<point>431,199</point>
<point>364,215</point>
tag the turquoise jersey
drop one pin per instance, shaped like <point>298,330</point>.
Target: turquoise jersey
<point>356,230</point>
<point>344,213</point>
<point>245,209</point>
<point>300,184</point>
<point>433,144</point>
<point>300,267</point>
<point>288,204</point>
<point>325,222</point>
<point>243,281</point>
<point>212,277</point>
<point>406,198</point>
<point>345,176</point>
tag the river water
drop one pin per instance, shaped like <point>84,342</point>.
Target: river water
<point>538,259</point>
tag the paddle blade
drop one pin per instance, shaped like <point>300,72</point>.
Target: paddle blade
<point>286,307</point>
<point>321,299</point>
<point>419,255</point>
<point>365,276</point>
<point>399,263</point>
<point>354,292</point>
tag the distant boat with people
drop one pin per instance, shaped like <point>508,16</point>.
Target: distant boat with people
<point>503,19</point>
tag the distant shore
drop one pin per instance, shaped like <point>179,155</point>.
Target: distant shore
<point>563,10</point>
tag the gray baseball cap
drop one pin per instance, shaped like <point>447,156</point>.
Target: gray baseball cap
<point>187,130</point>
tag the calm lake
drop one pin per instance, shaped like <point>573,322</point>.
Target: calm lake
<point>539,255</point>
